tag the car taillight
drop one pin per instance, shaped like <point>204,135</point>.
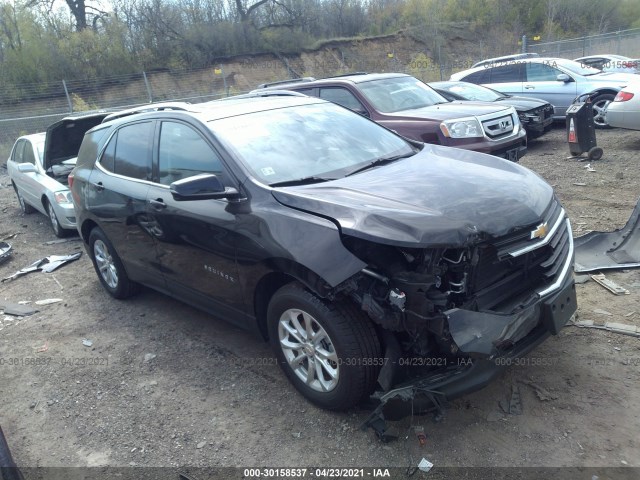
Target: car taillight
<point>70,180</point>
<point>623,96</point>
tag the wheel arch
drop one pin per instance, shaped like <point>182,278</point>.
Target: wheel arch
<point>603,91</point>
<point>85,230</point>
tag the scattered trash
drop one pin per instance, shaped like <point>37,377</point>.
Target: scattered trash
<point>17,310</point>
<point>589,168</point>
<point>5,251</point>
<point>148,357</point>
<point>606,250</point>
<point>46,264</point>
<point>87,343</point>
<point>615,327</point>
<point>425,465</point>
<point>296,434</point>
<point>580,184</point>
<point>610,285</point>
<point>422,438</point>
<point>8,236</point>
<point>629,314</point>
<point>43,348</point>
<point>542,393</point>
<point>201,445</point>
<point>48,301</point>
<point>599,311</point>
<point>617,349</point>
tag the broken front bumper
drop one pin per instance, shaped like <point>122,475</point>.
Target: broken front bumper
<point>492,342</point>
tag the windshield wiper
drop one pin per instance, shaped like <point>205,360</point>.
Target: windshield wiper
<point>300,181</point>
<point>380,161</point>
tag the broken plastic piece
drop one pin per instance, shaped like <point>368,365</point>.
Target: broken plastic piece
<point>17,309</point>
<point>610,285</point>
<point>606,250</point>
<point>46,264</point>
<point>48,301</point>
<point>5,251</point>
<point>425,465</point>
<point>87,343</point>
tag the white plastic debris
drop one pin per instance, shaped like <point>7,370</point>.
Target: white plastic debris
<point>87,343</point>
<point>48,301</point>
<point>425,465</point>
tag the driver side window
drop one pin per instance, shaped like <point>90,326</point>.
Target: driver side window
<point>539,72</point>
<point>184,153</point>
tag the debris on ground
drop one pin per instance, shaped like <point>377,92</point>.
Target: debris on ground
<point>46,264</point>
<point>610,285</point>
<point>542,393</point>
<point>62,240</point>
<point>615,327</point>
<point>148,357</point>
<point>420,435</point>
<point>606,250</point>
<point>599,311</point>
<point>425,465</point>
<point>5,251</point>
<point>17,310</point>
<point>47,301</point>
<point>589,168</point>
<point>87,343</point>
<point>512,406</point>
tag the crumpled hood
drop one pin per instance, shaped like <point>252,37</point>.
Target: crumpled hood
<point>450,110</point>
<point>440,196</point>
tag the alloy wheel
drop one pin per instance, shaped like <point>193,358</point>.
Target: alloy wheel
<point>105,263</point>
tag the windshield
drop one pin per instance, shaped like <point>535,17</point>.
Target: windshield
<point>576,67</point>
<point>398,94</point>
<point>470,91</point>
<point>319,140</point>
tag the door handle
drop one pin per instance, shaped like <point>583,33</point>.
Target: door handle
<point>98,186</point>
<point>158,204</point>
<point>529,87</point>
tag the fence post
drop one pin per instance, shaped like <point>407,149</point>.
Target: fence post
<point>525,45</point>
<point>66,92</point>
<point>146,84</point>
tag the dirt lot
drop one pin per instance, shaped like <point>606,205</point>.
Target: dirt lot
<point>166,385</point>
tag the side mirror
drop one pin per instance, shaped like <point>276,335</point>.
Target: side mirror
<point>563,77</point>
<point>205,186</point>
<point>27,168</point>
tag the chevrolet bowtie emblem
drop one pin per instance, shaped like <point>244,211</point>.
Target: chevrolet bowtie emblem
<point>540,231</point>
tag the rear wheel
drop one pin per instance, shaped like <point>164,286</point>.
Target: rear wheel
<point>24,206</point>
<point>329,351</point>
<point>600,104</point>
<point>55,224</point>
<point>109,267</point>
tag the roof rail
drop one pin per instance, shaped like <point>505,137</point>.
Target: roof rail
<point>151,107</point>
<point>348,74</point>
<point>264,93</point>
<point>283,82</point>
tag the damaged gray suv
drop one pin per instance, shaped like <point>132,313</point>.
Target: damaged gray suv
<point>378,268</point>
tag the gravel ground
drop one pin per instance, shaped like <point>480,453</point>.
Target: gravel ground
<point>164,385</point>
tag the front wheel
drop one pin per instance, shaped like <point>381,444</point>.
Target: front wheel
<point>55,224</point>
<point>109,267</point>
<point>24,206</point>
<point>329,351</point>
<point>599,105</point>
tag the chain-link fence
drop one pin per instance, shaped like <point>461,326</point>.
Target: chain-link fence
<point>623,42</point>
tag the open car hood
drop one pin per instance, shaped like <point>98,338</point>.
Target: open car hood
<point>63,138</point>
<point>439,197</point>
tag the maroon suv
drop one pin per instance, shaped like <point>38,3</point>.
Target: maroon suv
<point>411,108</point>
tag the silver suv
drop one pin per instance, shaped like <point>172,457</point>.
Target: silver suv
<point>556,80</point>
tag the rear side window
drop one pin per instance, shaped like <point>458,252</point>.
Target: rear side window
<point>479,77</point>
<point>128,153</point>
<point>90,147</point>
<point>506,73</point>
<point>184,153</point>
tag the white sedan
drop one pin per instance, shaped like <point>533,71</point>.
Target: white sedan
<point>624,111</point>
<point>39,165</point>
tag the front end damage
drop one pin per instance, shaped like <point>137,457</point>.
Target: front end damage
<point>448,315</point>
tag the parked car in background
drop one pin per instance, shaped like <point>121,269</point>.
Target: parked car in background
<point>555,80</point>
<point>611,63</point>
<point>536,115</point>
<point>504,59</point>
<point>38,167</point>
<point>624,111</point>
<point>411,108</point>
<point>368,261</point>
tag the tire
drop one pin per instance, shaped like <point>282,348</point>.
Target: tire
<point>24,206</point>
<point>599,105</point>
<point>109,268</point>
<point>53,221</point>
<point>345,348</point>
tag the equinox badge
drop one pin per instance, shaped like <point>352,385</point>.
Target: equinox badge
<point>540,231</point>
